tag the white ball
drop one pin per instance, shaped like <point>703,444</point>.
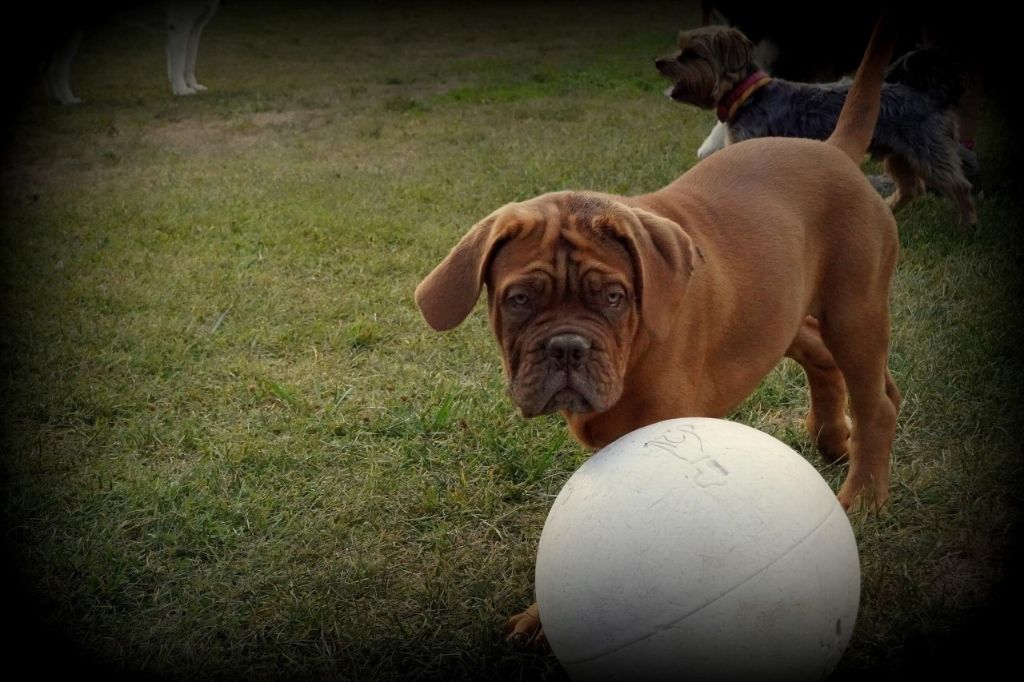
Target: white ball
<point>697,549</point>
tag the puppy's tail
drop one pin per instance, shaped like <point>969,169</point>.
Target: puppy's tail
<point>856,124</point>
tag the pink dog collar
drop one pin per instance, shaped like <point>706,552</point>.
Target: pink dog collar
<point>735,98</point>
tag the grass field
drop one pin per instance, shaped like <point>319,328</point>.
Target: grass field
<point>232,448</point>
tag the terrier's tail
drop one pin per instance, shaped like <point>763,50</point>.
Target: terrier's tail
<point>856,124</point>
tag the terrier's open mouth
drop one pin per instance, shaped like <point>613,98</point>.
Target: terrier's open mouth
<point>674,92</point>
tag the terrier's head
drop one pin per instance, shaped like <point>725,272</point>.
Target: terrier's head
<point>710,62</point>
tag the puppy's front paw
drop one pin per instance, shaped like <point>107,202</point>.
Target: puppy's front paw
<point>832,440</point>
<point>525,629</point>
<point>868,496</point>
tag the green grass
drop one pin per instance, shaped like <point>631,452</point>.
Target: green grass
<point>233,449</point>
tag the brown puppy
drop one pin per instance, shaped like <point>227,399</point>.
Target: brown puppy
<point>623,311</point>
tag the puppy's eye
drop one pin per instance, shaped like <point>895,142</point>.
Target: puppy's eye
<point>688,53</point>
<point>614,297</point>
<point>519,299</point>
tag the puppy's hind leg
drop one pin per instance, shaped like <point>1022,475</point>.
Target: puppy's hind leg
<point>856,331</point>
<point>827,422</point>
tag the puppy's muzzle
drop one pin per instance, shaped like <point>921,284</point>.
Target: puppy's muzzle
<point>568,384</point>
<point>565,374</point>
<point>567,351</point>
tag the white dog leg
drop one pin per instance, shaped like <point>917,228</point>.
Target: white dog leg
<point>193,44</point>
<point>57,71</point>
<point>715,141</point>
<point>183,18</point>
<point>178,26</point>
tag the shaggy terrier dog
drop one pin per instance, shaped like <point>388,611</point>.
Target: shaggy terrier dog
<point>916,136</point>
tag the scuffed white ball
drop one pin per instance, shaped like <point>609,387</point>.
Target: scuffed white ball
<point>697,549</point>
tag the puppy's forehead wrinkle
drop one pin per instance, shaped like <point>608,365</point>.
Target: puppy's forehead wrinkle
<point>553,217</point>
<point>564,239</point>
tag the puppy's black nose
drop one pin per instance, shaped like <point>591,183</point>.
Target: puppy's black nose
<point>568,350</point>
<point>659,63</point>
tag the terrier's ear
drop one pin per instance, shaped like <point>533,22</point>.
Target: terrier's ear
<point>734,50</point>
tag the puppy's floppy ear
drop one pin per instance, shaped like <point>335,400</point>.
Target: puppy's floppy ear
<point>734,49</point>
<point>663,253</point>
<point>447,295</point>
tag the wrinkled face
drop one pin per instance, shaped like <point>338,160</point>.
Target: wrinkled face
<point>563,304</point>
<point>708,63</point>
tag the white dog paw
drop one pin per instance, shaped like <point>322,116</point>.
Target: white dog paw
<point>716,139</point>
<point>707,150</point>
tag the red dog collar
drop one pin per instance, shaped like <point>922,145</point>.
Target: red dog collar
<point>735,98</point>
